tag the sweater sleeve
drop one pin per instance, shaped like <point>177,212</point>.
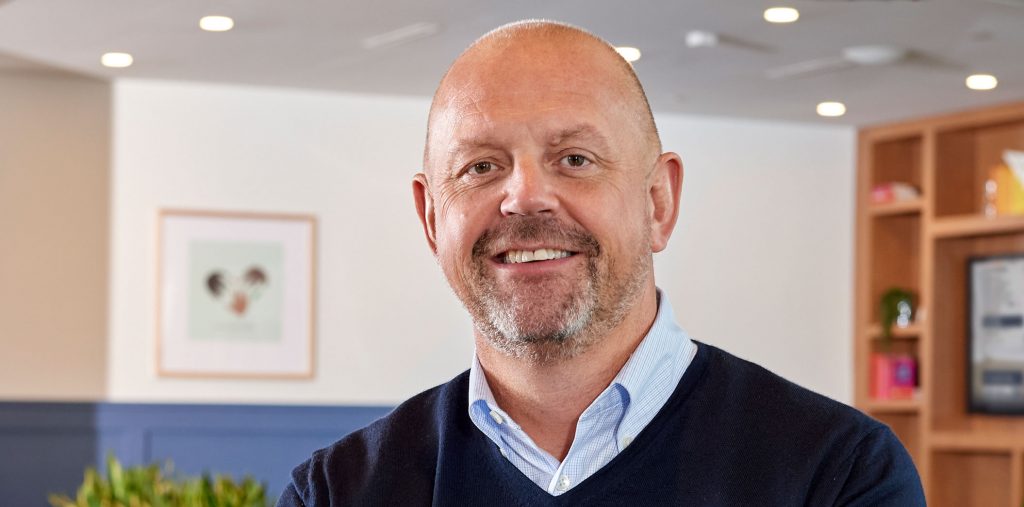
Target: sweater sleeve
<point>879,473</point>
<point>290,498</point>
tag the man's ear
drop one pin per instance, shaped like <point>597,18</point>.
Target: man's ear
<point>666,185</point>
<point>425,208</point>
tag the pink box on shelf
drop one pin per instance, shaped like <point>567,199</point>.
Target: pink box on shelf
<point>881,376</point>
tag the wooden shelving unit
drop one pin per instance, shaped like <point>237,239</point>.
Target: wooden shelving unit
<point>964,458</point>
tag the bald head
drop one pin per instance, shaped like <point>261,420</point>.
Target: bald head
<point>519,56</point>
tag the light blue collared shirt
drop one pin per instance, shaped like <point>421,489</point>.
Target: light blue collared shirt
<point>609,424</point>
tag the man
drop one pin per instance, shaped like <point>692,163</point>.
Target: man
<point>544,195</point>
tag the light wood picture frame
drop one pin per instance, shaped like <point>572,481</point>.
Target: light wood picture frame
<point>236,294</point>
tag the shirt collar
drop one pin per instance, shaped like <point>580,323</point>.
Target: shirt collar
<point>648,378</point>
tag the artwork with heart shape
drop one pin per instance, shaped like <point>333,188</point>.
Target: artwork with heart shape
<point>236,294</point>
<point>237,291</point>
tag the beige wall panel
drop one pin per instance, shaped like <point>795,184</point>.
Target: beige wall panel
<point>54,235</point>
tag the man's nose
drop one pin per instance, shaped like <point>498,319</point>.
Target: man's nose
<point>529,190</point>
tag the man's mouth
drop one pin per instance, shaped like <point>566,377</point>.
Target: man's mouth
<point>542,254</point>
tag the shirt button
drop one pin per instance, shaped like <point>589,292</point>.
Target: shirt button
<point>497,417</point>
<point>626,441</point>
<point>563,483</point>
<point>503,453</point>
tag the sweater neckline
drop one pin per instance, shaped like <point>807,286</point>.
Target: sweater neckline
<point>617,469</point>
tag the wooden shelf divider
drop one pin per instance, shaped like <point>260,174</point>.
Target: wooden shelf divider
<point>896,208</point>
<point>892,406</point>
<point>911,332</point>
<point>969,441</point>
<point>976,225</point>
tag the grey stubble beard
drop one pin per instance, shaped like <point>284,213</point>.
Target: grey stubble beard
<point>501,314</point>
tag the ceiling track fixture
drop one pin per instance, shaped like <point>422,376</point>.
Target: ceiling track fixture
<point>872,55</point>
<point>400,36</point>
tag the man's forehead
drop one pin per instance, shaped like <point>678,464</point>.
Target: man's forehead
<point>552,133</point>
<point>549,118</point>
<point>540,81</point>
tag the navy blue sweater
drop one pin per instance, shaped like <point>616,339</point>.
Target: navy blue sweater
<point>732,433</point>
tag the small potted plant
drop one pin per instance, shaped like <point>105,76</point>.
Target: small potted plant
<point>896,308</point>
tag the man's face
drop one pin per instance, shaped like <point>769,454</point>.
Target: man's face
<point>539,202</point>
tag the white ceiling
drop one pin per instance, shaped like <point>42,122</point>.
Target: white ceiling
<point>316,44</point>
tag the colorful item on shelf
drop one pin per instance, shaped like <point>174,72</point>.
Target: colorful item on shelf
<point>893,376</point>
<point>1004,194</point>
<point>904,377</point>
<point>894,191</point>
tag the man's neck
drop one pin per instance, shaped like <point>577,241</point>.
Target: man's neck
<point>546,400</point>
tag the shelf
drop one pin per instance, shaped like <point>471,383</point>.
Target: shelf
<point>924,245</point>
<point>892,406</point>
<point>895,252</point>
<point>990,442</point>
<point>911,332</point>
<point>962,226</point>
<point>896,208</point>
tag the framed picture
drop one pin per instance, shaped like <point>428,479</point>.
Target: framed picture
<point>995,334</point>
<point>235,294</point>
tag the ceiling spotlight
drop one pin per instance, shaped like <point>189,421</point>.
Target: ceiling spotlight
<point>982,82</point>
<point>629,54</point>
<point>216,23</point>
<point>831,109</point>
<point>781,15</point>
<point>116,60</point>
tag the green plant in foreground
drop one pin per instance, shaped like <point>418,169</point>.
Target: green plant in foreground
<point>150,486</point>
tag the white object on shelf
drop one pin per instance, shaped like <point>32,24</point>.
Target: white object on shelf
<point>1015,161</point>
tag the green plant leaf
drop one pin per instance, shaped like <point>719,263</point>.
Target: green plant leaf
<point>153,486</point>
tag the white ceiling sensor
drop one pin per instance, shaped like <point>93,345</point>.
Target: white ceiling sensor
<point>869,55</point>
<point>701,39</point>
<point>401,35</point>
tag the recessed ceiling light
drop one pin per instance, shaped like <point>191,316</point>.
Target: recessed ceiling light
<point>781,15</point>
<point>116,60</point>
<point>831,109</point>
<point>981,82</point>
<point>629,54</point>
<point>216,23</point>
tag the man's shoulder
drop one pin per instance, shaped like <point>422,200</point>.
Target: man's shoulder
<point>768,399</point>
<point>405,439</point>
<point>837,454</point>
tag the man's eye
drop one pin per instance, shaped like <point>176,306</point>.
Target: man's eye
<point>480,168</point>
<point>575,160</point>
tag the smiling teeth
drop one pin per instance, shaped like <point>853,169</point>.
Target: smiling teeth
<point>544,254</point>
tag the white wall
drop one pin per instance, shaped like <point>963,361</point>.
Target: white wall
<point>387,325</point>
<point>761,263</point>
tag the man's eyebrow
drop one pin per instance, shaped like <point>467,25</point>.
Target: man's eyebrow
<point>463,145</point>
<point>581,131</point>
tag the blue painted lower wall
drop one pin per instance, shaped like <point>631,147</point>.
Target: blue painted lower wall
<point>45,447</point>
